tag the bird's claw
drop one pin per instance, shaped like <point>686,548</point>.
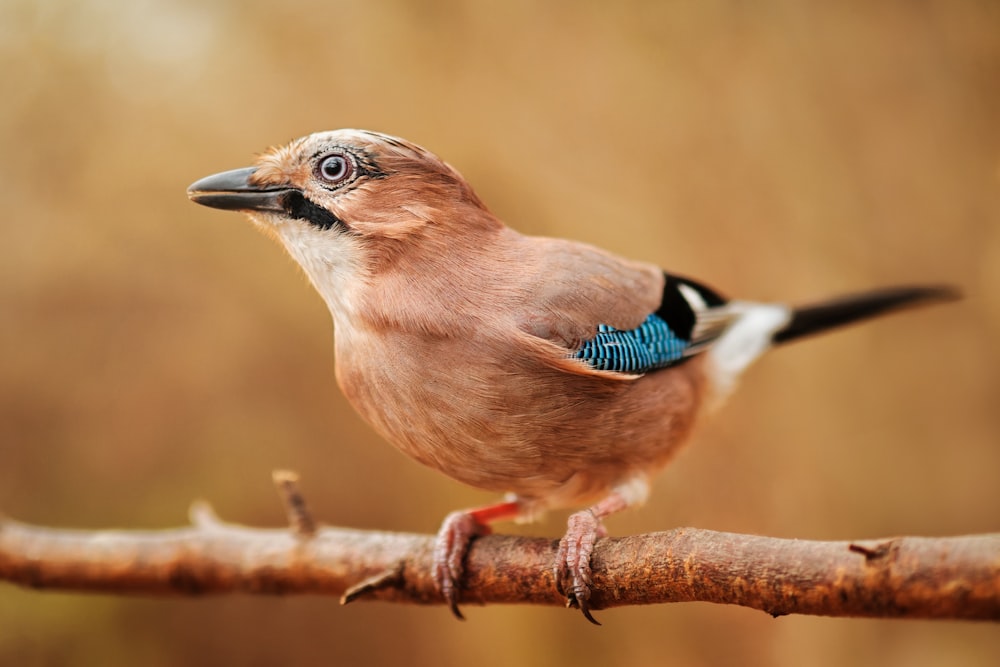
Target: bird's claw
<point>572,567</point>
<point>450,549</point>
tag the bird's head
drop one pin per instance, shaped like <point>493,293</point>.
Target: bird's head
<point>349,204</point>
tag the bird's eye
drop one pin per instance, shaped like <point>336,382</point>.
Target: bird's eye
<point>335,168</point>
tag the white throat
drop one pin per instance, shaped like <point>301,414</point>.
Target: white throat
<point>330,259</point>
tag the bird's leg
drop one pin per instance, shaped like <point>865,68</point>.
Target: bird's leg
<point>572,566</point>
<point>454,539</point>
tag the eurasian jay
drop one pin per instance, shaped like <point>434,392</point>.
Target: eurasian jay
<point>546,369</point>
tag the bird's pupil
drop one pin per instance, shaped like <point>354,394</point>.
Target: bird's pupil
<point>334,167</point>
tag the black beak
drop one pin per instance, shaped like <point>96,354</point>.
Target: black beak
<point>232,191</point>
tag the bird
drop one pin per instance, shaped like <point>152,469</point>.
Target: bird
<point>549,371</point>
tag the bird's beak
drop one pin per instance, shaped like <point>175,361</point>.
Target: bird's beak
<point>233,191</point>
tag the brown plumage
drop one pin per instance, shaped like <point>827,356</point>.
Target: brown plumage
<point>462,341</point>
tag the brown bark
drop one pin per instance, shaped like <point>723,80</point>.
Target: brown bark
<point>903,577</point>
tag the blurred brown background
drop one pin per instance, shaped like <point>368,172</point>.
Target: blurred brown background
<point>153,351</point>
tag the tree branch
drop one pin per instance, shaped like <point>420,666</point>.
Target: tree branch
<point>903,577</point>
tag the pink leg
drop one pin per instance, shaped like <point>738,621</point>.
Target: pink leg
<point>572,566</point>
<point>454,539</point>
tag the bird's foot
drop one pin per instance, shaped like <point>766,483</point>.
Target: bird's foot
<point>572,567</point>
<point>454,539</point>
<point>450,549</point>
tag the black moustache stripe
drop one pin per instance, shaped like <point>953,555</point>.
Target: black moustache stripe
<point>297,206</point>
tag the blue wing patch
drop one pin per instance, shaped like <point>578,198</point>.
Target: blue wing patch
<point>651,345</point>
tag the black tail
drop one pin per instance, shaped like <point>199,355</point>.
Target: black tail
<point>851,308</point>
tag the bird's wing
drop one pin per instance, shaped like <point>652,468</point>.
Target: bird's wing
<point>589,312</point>
<point>690,316</point>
